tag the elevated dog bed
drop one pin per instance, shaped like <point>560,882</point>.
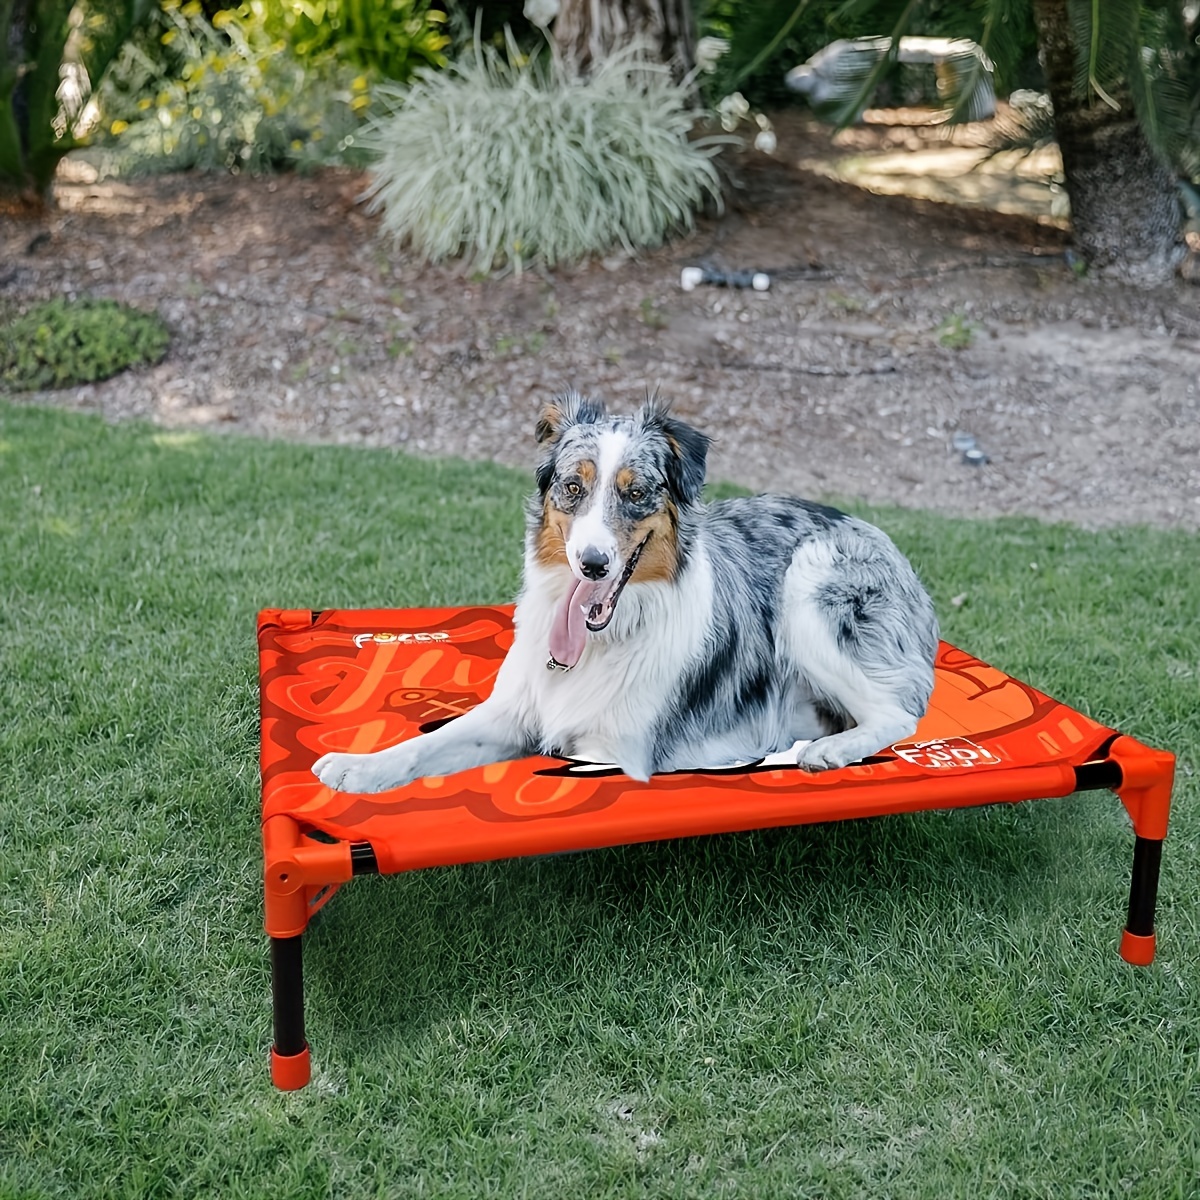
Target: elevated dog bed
<point>363,679</point>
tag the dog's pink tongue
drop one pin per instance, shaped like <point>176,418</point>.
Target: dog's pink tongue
<point>569,631</point>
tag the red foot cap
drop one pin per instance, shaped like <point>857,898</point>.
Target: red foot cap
<point>1137,949</point>
<point>291,1072</point>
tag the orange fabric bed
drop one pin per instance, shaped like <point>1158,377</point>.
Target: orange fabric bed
<point>359,680</point>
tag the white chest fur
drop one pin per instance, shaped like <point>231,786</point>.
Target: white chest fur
<point>606,708</point>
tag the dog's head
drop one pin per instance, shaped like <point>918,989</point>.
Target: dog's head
<point>611,491</point>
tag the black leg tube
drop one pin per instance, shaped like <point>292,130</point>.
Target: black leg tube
<point>1143,889</point>
<point>362,859</point>
<point>287,992</point>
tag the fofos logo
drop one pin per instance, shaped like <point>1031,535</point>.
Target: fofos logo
<point>401,639</point>
<point>943,753</point>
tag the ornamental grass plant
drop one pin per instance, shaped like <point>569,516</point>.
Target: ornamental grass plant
<point>507,160</point>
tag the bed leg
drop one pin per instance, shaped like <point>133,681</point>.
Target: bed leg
<point>1145,791</point>
<point>291,1065</point>
<point>1137,942</point>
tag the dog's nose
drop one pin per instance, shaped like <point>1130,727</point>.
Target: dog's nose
<point>593,563</point>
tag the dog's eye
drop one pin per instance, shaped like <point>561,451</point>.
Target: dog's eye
<point>574,489</point>
<point>637,495</point>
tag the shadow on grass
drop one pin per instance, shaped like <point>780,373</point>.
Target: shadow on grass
<point>396,958</point>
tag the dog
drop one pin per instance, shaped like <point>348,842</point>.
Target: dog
<point>660,634</point>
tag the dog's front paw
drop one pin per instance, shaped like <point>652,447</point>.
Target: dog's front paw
<point>820,756</point>
<point>358,773</point>
<point>639,768</point>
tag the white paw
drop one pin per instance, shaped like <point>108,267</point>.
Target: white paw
<point>638,767</point>
<point>359,773</point>
<point>821,756</point>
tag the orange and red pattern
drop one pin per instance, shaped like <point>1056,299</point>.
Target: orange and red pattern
<point>364,679</point>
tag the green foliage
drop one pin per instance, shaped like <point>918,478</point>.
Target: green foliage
<point>66,342</point>
<point>792,31</point>
<point>1104,36</point>
<point>393,37</point>
<point>956,332</point>
<point>1139,52</point>
<point>493,23</point>
<point>38,43</point>
<point>1162,69</point>
<point>1142,52</point>
<point>750,27</point>
<point>226,96</point>
<point>507,160</point>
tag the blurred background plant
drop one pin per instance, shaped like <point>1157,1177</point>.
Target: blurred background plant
<point>391,37</point>
<point>166,85</point>
<point>763,39</point>
<point>509,159</point>
<point>272,84</point>
<point>65,342</point>
<point>52,54</point>
<point>1121,80</point>
<point>226,94</point>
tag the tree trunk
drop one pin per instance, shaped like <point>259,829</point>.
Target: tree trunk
<point>588,31</point>
<point>20,193</point>
<point>1125,213</point>
<point>14,106</point>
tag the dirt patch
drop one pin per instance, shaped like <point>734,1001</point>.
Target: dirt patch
<point>891,325</point>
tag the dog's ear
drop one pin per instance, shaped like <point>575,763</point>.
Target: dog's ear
<point>687,458</point>
<point>549,424</point>
<point>544,475</point>
<point>564,411</point>
<point>556,418</point>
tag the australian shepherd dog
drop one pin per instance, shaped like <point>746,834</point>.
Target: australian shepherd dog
<point>658,633</point>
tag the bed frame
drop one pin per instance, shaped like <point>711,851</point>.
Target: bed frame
<point>358,680</point>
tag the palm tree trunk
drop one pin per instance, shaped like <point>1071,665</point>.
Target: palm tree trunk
<point>587,31</point>
<point>18,195</point>
<point>1125,213</point>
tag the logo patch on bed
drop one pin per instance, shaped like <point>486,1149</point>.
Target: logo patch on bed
<point>401,639</point>
<point>943,753</point>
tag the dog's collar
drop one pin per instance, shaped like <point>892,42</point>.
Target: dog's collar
<point>552,664</point>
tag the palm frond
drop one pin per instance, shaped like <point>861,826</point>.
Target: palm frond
<point>965,83</point>
<point>861,78</point>
<point>773,44</point>
<point>1005,33</point>
<point>1164,96</point>
<point>1102,32</point>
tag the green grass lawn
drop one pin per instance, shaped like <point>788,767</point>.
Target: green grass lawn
<point>925,1006</point>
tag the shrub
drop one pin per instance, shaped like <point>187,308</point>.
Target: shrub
<point>506,160</point>
<point>392,37</point>
<point>225,98</point>
<point>62,343</point>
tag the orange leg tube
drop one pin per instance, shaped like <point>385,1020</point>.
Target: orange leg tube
<point>1147,776</point>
